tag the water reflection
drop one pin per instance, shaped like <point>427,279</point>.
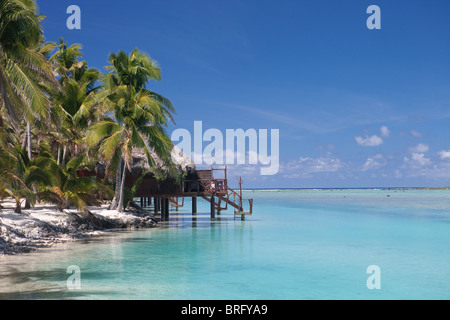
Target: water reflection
<point>108,262</point>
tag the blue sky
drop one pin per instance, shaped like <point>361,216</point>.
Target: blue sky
<point>355,107</point>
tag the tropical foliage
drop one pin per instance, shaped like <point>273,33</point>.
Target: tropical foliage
<point>22,67</point>
<point>139,116</point>
<point>59,117</point>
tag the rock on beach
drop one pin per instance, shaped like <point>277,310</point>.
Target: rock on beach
<point>44,226</point>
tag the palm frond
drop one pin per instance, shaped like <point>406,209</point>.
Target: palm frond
<point>111,145</point>
<point>100,130</point>
<point>37,175</point>
<point>27,90</point>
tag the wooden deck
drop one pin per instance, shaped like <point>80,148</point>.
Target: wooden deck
<point>201,183</point>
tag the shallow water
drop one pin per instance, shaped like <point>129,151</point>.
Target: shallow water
<point>299,244</point>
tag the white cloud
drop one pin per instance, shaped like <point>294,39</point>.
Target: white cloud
<point>438,171</point>
<point>378,156</point>
<point>321,164</point>
<point>415,134</point>
<point>444,154</point>
<point>370,164</point>
<point>385,132</point>
<point>373,163</point>
<point>417,160</point>
<point>420,148</point>
<point>372,141</point>
<point>305,166</point>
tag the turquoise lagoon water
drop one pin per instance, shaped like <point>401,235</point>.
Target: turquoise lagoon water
<point>299,244</point>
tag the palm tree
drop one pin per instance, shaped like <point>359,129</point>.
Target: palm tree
<point>136,70</point>
<point>67,188</point>
<point>74,105</point>
<point>23,176</point>
<point>132,128</point>
<point>65,60</point>
<point>21,67</point>
<point>140,117</point>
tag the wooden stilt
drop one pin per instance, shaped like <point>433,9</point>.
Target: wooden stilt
<point>155,209</point>
<point>142,202</point>
<point>213,209</point>
<point>163,209</point>
<point>218,206</point>
<point>194,205</point>
<point>167,207</point>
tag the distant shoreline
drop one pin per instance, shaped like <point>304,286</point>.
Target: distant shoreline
<point>347,188</point>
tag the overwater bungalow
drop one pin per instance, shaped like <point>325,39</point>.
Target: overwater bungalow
<point>160,187</point>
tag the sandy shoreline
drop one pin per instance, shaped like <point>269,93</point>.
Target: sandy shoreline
<point>44,226</point>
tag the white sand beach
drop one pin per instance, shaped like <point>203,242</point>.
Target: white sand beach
<point>44,226</point>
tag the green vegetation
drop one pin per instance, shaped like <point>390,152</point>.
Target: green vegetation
<point>59,116</point>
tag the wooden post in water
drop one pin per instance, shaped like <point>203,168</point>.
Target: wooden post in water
<point>155,208</point>
<point>213,209</point>
<point>194,212</point>
<point>163,209</point>
<point>158,204</point>
<point>194,205</point>
<point>167,208</point>
<point>241,209</point>
<point>142,202</point>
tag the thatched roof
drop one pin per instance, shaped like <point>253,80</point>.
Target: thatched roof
<point>179,160</point>
<point>182,165</point>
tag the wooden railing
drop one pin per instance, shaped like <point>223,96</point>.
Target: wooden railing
<point>175,201</point>
<point>218,188</point>
<point>210,186</point>
<point>232,198</point>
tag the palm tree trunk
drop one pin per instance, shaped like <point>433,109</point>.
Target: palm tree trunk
<point>59,155</point>
<point>28,135</point>
<point>121,191</point>
<point>6,102</point>
<point>24,141</point>
<point>29,139</point>
<point>114,201</point>
<point>63,162</point>
<point>18,208</point>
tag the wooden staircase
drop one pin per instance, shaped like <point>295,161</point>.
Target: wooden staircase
<point>232,198</point>
<point>175,202</point>
<point>202,183</point>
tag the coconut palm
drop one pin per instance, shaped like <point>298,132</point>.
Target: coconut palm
<point>136,70</point>
<point>67,188</point>
<point>21,67</point>
<point>140,116</point>
<point>23,176</point>
<point>74,105</point>
<point>132,128</point>
<point>65,60</point>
